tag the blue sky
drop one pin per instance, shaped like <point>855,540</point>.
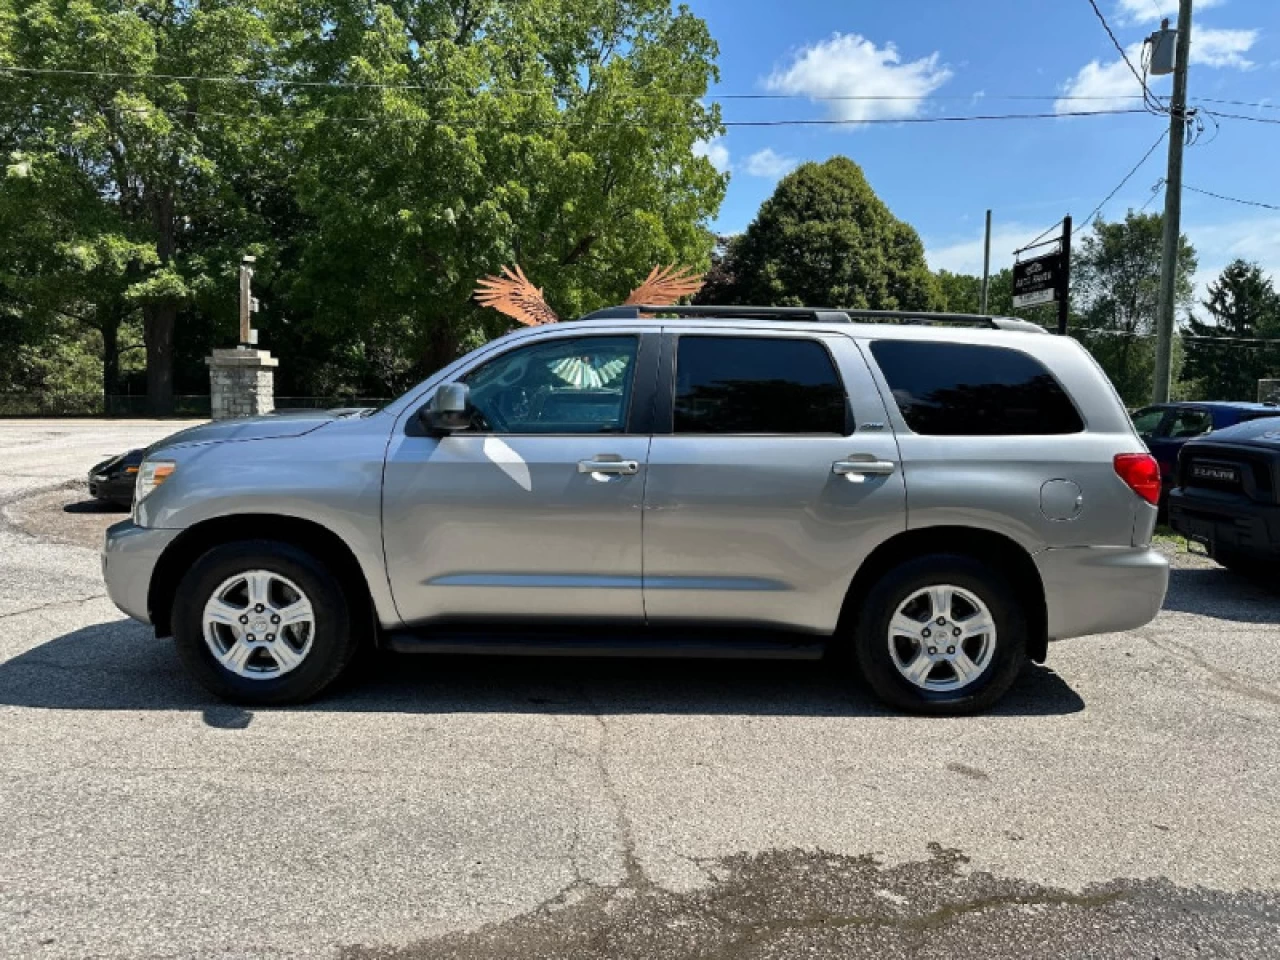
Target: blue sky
<point>952,57</point>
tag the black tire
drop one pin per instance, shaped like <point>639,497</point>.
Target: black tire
<point>333,644</point>
<point>871,635</point>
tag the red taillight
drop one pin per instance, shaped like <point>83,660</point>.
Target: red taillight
<point>1141,472</point>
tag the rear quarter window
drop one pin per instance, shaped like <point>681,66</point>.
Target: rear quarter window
<point>960,389</point>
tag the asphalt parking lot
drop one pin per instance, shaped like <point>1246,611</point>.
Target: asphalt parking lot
<point>1123,801</point>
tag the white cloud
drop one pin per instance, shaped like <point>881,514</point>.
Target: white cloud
<point>850,65</point>
<point>1144,11</point>
<point>1209,47</point>
<point>715,151</point>
<point>1101,80</point>
<point>1222,48</point>
<point>1255,238</point>
<point>767,163</point>
<point>965,255</point>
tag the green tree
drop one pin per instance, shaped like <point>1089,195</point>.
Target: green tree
<point>1242,304</point>
<point>148,163</point>
<point>1115,279</point>
<point>558,134</point>
<point>825,239</point>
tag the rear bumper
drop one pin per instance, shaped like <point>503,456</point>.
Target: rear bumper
<point>1227,524</point>
<point>1101,589</point>
<point>129,556</point>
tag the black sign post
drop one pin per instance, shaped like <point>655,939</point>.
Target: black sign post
<point>1046,279</point>
<point>1064,281</point>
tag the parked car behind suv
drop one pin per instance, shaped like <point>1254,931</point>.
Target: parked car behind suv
<point>1228,495</point>
<point>930,503</point>
<point>1165,427</point>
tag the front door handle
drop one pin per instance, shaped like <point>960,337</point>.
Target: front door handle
<point>856,469</point>
<point>621,467</point>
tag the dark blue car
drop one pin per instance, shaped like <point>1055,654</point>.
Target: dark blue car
<point>1165,427</point>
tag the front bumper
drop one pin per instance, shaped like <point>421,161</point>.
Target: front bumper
<point>1227,523</point>
<point>1101,589</point>
<point>129,556</point>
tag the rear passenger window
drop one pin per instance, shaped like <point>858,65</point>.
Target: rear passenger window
<point>757,385</point>
<point>960,389</point>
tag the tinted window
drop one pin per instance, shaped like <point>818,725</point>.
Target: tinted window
<point>560,386</point>
<point>1147,421</point>
<point>957,389</point>
<point>1189,422</point>
<point>757,385</point>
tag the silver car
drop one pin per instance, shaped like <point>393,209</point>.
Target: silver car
<point>928,503</point>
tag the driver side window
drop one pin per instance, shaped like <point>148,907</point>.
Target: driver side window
<point>568,385</point>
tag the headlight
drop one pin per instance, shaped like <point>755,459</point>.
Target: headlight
<point>151,474</point>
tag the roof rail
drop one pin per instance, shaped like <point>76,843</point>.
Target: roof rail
<point>815,315</point>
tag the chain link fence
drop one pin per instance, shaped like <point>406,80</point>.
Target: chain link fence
<point>190,406</point>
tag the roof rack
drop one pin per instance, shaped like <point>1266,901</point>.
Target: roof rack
<point>816,315</point>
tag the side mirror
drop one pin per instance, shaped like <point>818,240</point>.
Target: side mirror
<point>449,410</point>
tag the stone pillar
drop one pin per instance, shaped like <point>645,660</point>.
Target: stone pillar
<point>1269,391</point>
<point>241,382</point>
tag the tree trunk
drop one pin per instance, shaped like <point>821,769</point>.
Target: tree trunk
<point>110,355</point>
<point>157,329</point>
<point>442,347</point>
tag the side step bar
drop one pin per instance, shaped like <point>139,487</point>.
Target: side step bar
<point>687,646</point>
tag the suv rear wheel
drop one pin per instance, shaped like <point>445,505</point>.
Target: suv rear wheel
<point>941,634</point>
<point>262,622</point>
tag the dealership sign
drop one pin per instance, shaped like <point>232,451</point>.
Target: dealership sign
<point>1039,280</point>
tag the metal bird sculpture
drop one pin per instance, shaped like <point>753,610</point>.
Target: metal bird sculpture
<point>513,294</point>
<point>664,286</point>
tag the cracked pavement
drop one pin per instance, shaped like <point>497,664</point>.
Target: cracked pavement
<point>1120,802</point>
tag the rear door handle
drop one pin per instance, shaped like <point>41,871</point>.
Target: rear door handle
<point>856,469</point>
<point>625,468</point>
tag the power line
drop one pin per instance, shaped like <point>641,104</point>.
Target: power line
<point>1241,116</point>
<point>629,124</point>
<point>1148,97</point>
<point>1190,339</point>
<point>1089,219</point>
<point>1155,192</point>
<point>1220,196</point>
<point>1240,103</point>
<point>454,88</point>
<point>1127,177</point>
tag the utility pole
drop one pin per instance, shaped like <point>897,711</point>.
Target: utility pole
<point>1064,284</point>
<point>246,298</point>
<point>986,266</point>
<point>1172,208</point>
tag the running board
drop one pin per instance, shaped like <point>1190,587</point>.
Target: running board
<point>686,646</point>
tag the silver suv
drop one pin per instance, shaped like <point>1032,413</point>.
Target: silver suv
<point>927,502</point>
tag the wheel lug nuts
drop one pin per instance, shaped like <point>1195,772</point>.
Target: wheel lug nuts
<point>927,632</point>
<point>275,618</point>
<point>941,621</point>
<point>244,618</point>
<point>933,650</point>
<point>250,637</point>
<point>951,649</point>
<point>955,632</point>
<point>258,608</point>
<point>270,637</point>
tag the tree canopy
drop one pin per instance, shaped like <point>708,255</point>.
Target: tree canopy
<point>1243,307</point>
<point>377,157</point>
<point>1115,281</point>
<point>825,239</point>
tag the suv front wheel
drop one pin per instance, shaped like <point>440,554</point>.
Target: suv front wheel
<point>261,622</point>
<point>941,634</point>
